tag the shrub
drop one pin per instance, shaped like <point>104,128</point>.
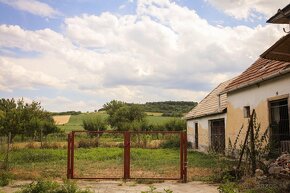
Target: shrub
<point>95,124</point>
<point>52,145</point>
<point>171,143</point>
<point>229,187</point>
<point>175,125</point>
<point>51,187</point>
<point>226,175</point>
<point>5,178</point>
<point>88,143</point>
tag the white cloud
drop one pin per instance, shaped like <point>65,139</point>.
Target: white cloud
<point>148,56</point>
<point>13,76</point>
<point>32,6</point>
<point>249,9</point>
<point>66,104</point>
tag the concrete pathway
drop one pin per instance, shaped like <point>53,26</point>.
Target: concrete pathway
<point>129,187</point>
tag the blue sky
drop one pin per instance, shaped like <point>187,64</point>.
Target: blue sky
<point>77,55</point>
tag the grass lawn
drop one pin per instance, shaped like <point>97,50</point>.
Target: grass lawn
<point>108,162</point>
<point>76,121</point>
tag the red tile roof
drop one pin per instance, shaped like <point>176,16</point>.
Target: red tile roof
<point>272,63</point>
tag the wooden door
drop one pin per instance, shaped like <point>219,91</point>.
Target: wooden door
<point>218,135</point>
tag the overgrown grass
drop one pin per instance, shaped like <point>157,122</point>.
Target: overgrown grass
<point>104,162</point>
<point>158,120</point>
<point>52,187</point>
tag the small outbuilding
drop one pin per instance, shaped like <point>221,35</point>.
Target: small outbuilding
<point>207,121</point>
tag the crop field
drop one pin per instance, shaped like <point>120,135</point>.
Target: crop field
<point>61,119</point>
<point>75,122</point>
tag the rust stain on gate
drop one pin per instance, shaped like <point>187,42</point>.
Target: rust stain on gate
<point>127,154</point>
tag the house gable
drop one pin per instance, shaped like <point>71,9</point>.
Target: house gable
<point>213,103</point>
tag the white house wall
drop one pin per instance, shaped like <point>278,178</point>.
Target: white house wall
<point>203,130</point>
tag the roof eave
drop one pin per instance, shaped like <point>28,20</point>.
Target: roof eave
<point>205,115</point>
<point>281,17</point>
<point>264,54</point>
<point>281,72</point>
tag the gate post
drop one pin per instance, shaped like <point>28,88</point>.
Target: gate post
<point>127,136</point>
<point>185,157</point>
<point>69,138</point>
<point>72,153</point>
<point>181,157</point>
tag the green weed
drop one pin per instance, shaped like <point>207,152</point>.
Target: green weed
<point>51,187</point>
<point>152,189</point>
<point>5,178</point>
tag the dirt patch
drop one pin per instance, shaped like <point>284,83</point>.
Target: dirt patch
<point>132,187</point>
<point>61,119</point>
<point>199,171</point>
<point>14,186</point>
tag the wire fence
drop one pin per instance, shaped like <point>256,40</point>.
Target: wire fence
<point>106,155</point>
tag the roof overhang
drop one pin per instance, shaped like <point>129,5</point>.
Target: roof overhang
<point>206,115</point>
<point>280,51</point>
<point>272,76</point>
<point>281,17</point>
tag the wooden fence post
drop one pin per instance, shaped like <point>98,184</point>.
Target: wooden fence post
<point>127,155</point>
<point>252,144</point>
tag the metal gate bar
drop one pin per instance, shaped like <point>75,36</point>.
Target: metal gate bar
<point>127,147</point>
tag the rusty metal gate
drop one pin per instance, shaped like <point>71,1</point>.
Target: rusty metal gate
<point>127,148</point>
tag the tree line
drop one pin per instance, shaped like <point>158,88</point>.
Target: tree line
<point>167,108</point>
<point>67,113</point>
<point>129,117</point>
<point>25,119</point>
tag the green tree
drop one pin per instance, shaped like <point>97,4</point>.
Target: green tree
<point>24,119</point>
<point>124,117</point>
<point>10,119</point>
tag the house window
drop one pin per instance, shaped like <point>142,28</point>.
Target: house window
<point>246,111</point>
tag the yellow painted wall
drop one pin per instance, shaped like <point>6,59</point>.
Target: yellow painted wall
<point>236,120</point>
<point>257,97</point>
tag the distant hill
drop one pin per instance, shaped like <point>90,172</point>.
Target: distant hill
<point>66,113</point>
<point>167,108</point>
